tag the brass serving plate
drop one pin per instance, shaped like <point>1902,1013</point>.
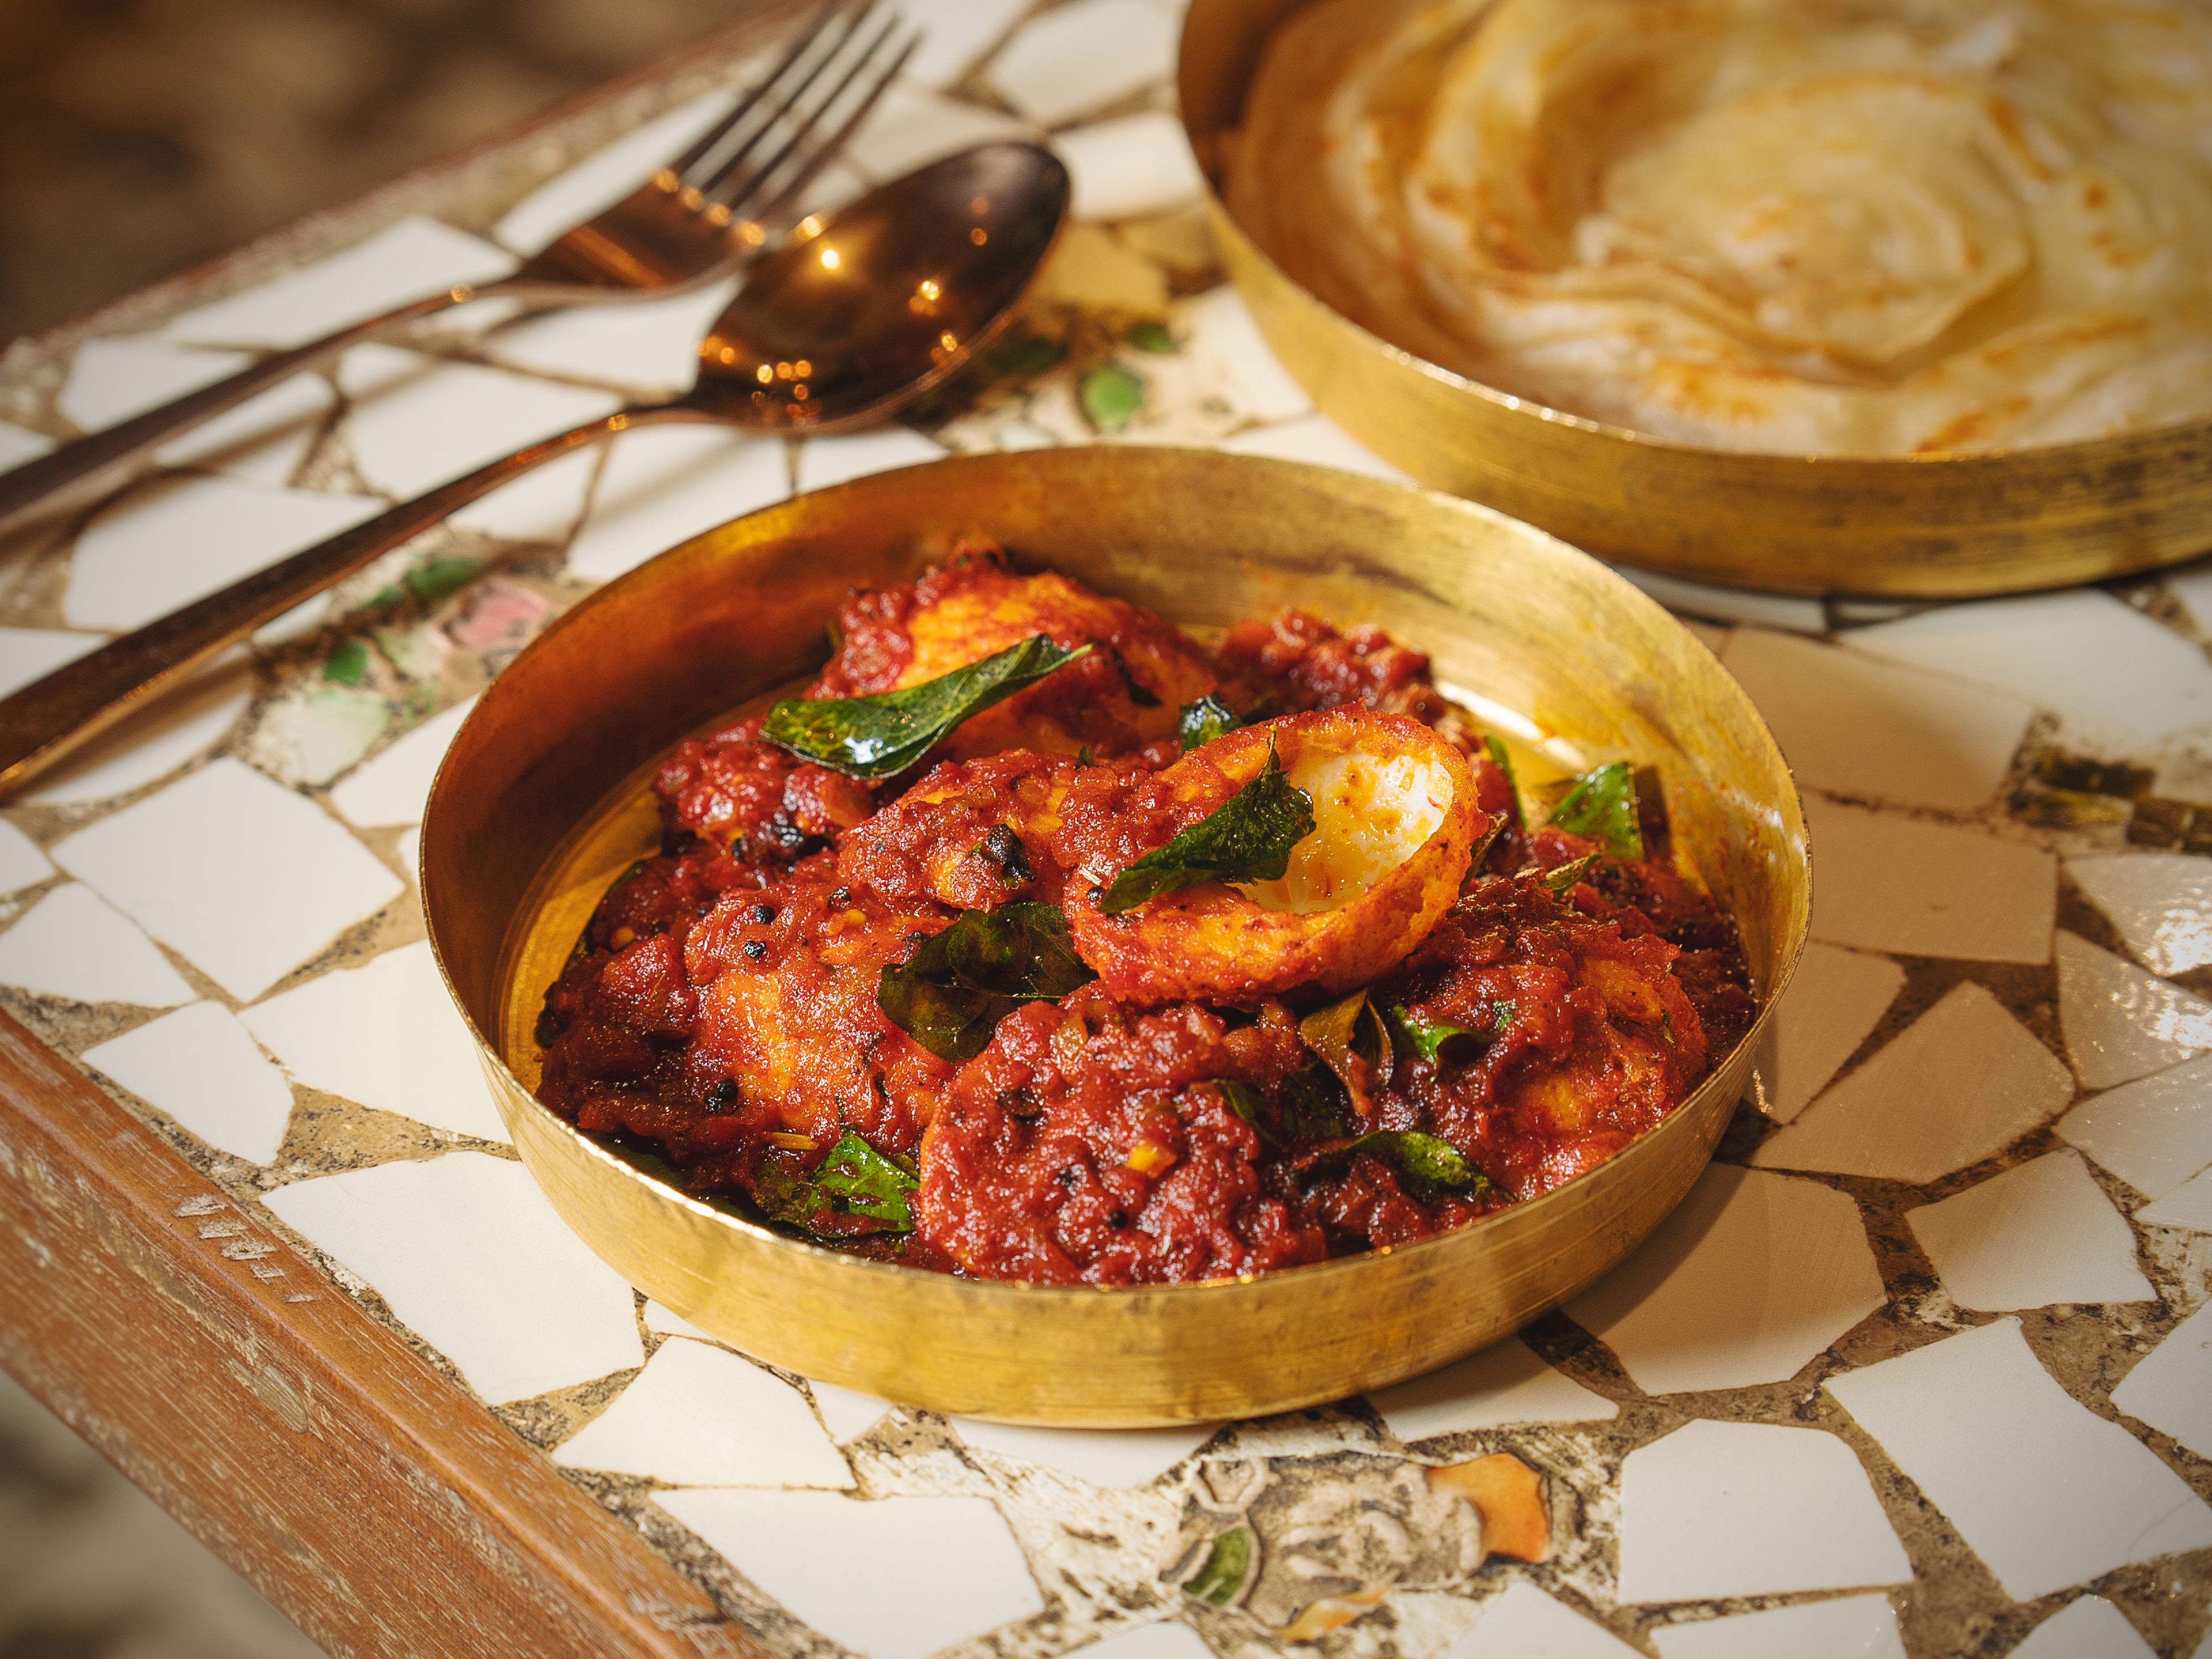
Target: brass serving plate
<point>530,813</point>
<point>1932,526</point>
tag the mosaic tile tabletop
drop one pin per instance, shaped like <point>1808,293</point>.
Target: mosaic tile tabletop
<point>1924,1365</point>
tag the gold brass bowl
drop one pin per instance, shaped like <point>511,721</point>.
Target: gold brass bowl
<point>540,803</point>
<point>1932,526</point>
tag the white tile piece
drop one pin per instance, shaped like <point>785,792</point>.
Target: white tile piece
<point>1834,999</point>
<point>1960,1083</point>
<point>1857,725</point>
<point>609,174</point>
<point>1749,1279</point>
<point>1504,1383</point>
<point>1165,1640</point>
<point>1844,1628</point>
<point>409,852</point>
<point>264,439</point>
<point>2120,1023</point>
<point>955,34</point>
<point>2088,1628</point>
<point>2170,1388</point>
<point>1729,605</point>
<point>2153,1133</point>
<point>847,1412</point>
<point>650,348</point>
<point>71,945</point>
<point>826,461</point>
<point>240,876</point>
<point>31,654</point>
<point>178,538</point>
<point>1750,1508</point>
<point>533,1310</point>
<point>21,864</point>
<point>111,380</point>
<point>910,129</point>
<point>418,420</point>
<point>157,739</point>
<point>939,1569</point>
<point>203,1068</point>
<point>2161,903</point>
<point>343,1033</point>
<point>664,484</point>
<point>1228,350</point>
<point>1894,884</point>
<point>669,1323</point>
<point>1104,1457</point>
<point>395,787</point>
<point>1076,57</point>
<point>1525,1623</point>
<point>403,262</point>
<point>701,1416</point>
<point>1317,439</point>
<point>18,446</point>
<point>2080,653</point>
<point>1137,164</point>
<point>2044,1490</point>
<point>2188,1206</point>
<point>2041,1232</point>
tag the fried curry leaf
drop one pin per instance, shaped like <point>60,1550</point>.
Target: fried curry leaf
<point>1494,746</point>
<point>870,1183</point>
<point>1431,1168</point>
<point>880,737</point>
<point>1244,1100</point>
<point>1563,879</point>
<point>1223,1573</point>
<point>1203,720</point>
<point>1417,1034</point>
<point>1312,1107</point>
<point>1248,837</point>
<point>1602,805</point>
<point>1350,1039</point>
<point>951,994</point>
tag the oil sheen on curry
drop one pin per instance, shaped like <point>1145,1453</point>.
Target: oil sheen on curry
<point>1038,941</point>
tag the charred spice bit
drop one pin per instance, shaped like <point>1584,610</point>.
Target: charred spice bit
<point>839,898</point>
<point>762,915</point>
<point>756,948</point>
<point>721,1094</point>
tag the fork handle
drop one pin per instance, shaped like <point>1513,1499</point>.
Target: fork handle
<point>78,471</point>
<point>50,718</point>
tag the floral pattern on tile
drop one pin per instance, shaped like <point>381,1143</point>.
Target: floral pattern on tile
<point>469,1254</point>
<point>2171,1388</point>
<point>71,945</point>
<point>1525,1623</point>
<point>664,484</point>
<point>238,875</point>
<point>1750,1508</point>
<point>1855,726</point>
<point>1832,1002</point>
<point>2120,1023</point>
<point>1920,889</point>
<point>1843,1627</point>
<point>1108,1457</point>
<point>203,1068</point>
<point>2161,903</point>
<point>2041,1232</point>
<point>939,1568</point>
<point>335,1033</point>
<point>1076,57</point>
<point>2153,1133</point>
<point>701,1416</point>
<point>21,864</point>
<point>1504,1383</point>
<point>1958,1084</point>
<point>1746,1282</point>
<point>2088,1627</point>
<point>1955,1417</point>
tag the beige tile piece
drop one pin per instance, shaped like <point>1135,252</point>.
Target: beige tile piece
<point>649,349</point>
<point>2120,1022</point>
<point>826,461</point>
<point>955,34</point>
<point>1729,605</point>
<point>1317,439</point>
<point>72,945</point>
<point>2089,1628</point>
<point>111,380</point>
<point>1104,1457</point>
<point>1525,1623</point>
<point>1843,1627</point>
<point>609,174</point>
<point>1233,360</point>
<point>1076,58</point>
<point>1165,1640</point>
<point>2153,1133</point>
<point>1504,1383</point>
<point>669,1323</point>
<point>2161,903</point>
<point>203,1068</point>
<point>911,128</point>
<point>1887,883</point>
<point>665,484</point>
<point>2187,1206</point>
<point>2044,1490</point>
<point>1132,165</point>
<point>1857,726</point>
<point>1749,1277</point>
<point>847,1412</point>
<point>21,864</point>
<point>1958,1084</point>
<point>1834,999</point>
<point>395,787</point>
<point>2170,1388</point>
<point>2042,1232</point>
<point>18,446</point>
<point>155,741</point>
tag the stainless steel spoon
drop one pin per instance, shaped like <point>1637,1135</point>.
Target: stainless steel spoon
<point>855,316</point>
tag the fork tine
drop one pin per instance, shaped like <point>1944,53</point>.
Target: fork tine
<point>762,193</point>
<point>755,95</point>
<point>702,165</point>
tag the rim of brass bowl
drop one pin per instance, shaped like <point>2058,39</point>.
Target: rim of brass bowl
<point>1204,538</point>
<point>1921,527</point>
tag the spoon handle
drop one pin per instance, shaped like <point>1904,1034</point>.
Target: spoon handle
<point>51,717</point>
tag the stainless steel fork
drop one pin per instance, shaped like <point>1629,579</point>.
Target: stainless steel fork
<point>698,218</point>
